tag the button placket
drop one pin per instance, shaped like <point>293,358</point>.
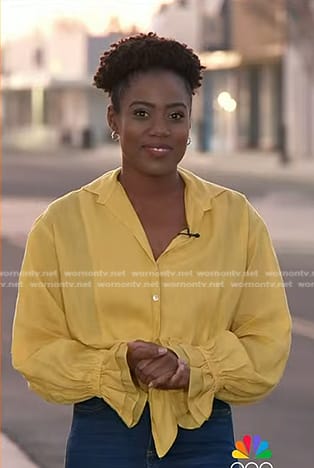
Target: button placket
<point>155,299</point>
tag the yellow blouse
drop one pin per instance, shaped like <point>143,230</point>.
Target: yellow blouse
<point>91,284</point>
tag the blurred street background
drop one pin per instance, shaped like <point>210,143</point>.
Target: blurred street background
<point>253,131</point>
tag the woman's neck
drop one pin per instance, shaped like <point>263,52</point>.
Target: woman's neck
<point>148,186</point>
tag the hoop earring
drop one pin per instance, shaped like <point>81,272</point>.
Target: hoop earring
<point>115,136</point>
<point>189,141</point>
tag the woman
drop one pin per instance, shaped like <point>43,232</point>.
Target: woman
<point>161,314</point>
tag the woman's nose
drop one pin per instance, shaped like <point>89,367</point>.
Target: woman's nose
<point>159,127</point>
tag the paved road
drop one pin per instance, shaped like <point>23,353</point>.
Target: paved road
<point>85,166</point>
<point>286,418</point>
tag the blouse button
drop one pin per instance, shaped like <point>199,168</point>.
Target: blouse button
<point>155,297</point>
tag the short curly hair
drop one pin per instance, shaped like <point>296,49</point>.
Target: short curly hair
<point>143,52</point>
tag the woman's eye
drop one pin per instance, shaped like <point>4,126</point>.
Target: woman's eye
<point>141,113</point>
<point>177,115</point>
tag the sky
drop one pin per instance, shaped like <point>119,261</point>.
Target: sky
<point>20,16</point>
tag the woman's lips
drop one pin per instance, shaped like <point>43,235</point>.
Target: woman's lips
<point>158,149</point>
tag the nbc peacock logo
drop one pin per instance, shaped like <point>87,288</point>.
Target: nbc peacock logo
<point>252,447</point>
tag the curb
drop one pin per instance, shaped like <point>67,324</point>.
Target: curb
<point>13,456</point>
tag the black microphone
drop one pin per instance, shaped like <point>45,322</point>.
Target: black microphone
<point>189,233</point>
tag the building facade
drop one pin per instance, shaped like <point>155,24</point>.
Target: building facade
<point>257,93</point>
<point>47,87</point>
<point>254,73</point>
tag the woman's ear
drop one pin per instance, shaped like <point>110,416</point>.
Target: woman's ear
<point>111,118</point>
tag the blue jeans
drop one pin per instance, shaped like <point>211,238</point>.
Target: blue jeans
<point>99,439</point>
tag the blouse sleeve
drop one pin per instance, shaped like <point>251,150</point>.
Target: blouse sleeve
<point>57,367</point>
<point>243,364</point>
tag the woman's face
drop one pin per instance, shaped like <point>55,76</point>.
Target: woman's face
<point>153,123</point>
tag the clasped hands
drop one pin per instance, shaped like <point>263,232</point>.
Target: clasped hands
<point>154,366</point>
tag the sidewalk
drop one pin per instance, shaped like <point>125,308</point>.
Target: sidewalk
<point>259,164</point>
